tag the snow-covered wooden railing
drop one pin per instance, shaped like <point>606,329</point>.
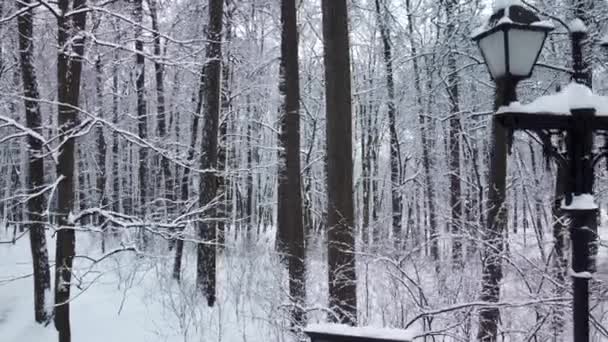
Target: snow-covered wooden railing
<point>345,333</point>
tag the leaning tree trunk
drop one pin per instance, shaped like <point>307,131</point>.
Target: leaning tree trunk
<point>35,205</point>
<point>69,68</point>
<point>185,185</point>
<point>340,211</point>
<point>207,246</point>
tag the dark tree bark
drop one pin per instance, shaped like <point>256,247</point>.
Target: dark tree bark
<point>424,121</point>
<point>395,156</point>
<point>538,206</point>
<point>454,140</point>
<point>185,179</point>
<point>206,251</point>
<point>69,69</point>
<point>249,210</point>
<point>101,147</point>
<point>289,88</point>
<point>185,185</point>
<point>223,209</point>
<point>560,259</point>
<point>142,117</point>
<point>493,235</point>
<point>365,114</point>
<point>36,204</point>
<point>116,198</point>
<point>340,212</point>
<point>161,120</point>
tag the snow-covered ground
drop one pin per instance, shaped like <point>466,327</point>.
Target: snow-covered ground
<point>132,298</point>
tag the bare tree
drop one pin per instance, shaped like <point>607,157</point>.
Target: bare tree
<point>395,156</point>
<point>455,132</point>
<point>206,251</point>
<point>161,117</point>
<point>340,212</point>
<point>142,115</point>
<point>70,39</point>
<point>289,88</point>
<point>36,202</point>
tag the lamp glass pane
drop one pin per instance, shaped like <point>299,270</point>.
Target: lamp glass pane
<point>493,49</point>
<point>524,47</point>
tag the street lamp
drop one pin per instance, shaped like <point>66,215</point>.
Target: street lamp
<point>512,42</point>
<point>575,111</point>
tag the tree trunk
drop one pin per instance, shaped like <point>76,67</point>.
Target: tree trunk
<point>496,220</point>
<point>69,68</point>
<point>454,140</point>
<point>101,148</point>
<point>185,185</point>
<point>206,251</point>
<point>289,88</point>
<point>395,156</point>
<point>560,260</point>
<point>249,182</point>
<point>340,212</point>
<point>161,120</point>
<point>36,204</point>
<point>117,199</point>
<point>224,208</point>
<point>142,117</point>
<point>425,141</point>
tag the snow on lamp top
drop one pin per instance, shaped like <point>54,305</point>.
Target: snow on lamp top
<point>502,4</point>
<point>577,25</point>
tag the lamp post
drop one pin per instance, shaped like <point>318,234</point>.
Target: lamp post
<point>575,111</point>
<point>500,44</point>
<point>510,45</point>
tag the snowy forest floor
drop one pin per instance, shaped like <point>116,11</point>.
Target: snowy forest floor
<point>130,297</point>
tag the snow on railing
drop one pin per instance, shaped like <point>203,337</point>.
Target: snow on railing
<point>371,333</point>
<point>572,96</point>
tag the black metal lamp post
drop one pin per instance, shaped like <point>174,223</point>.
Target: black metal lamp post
<point>579,122</point>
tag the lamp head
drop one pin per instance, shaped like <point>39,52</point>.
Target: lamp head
<point>511,42</point>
